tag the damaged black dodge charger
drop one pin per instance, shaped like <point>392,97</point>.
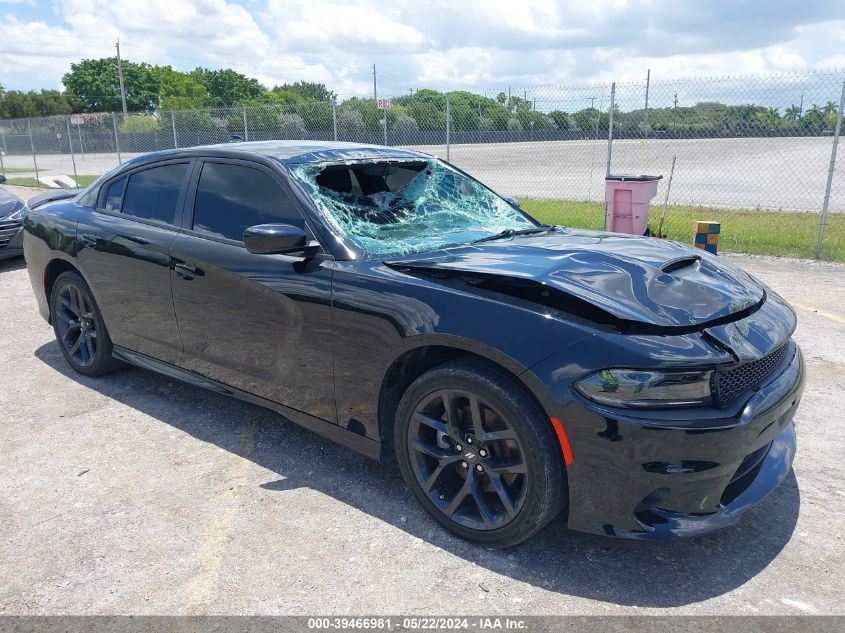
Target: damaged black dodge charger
<point>394,304</point>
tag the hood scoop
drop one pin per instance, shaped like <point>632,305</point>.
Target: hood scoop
<point>678,263</point>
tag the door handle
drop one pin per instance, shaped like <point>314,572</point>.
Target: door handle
<point>88,240</point>
<point>186,272</point>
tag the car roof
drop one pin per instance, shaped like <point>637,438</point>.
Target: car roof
<point>289,152</point>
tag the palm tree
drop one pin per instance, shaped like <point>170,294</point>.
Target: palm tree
<point>773,117</point>
<point>829,108</point>
<point>792,113</point>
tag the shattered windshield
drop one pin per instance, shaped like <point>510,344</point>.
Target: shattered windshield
<point>392,207</point>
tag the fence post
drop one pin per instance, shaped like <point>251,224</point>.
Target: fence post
<point>70,147</point>
<point>32,145</point>
<point>334,117</point>
<point>826,204</point>
<point>246,131</point>
<point>384,112</point>
<point>610,127</point>
<point>116,140</point>
<point>609,143</point>
<point>81,145</point>
<point>2,151</point>
<point>448,127</point>
<point>647,86</point>
<point>173,125</point>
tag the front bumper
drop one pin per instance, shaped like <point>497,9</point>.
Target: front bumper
<point>647,479</point>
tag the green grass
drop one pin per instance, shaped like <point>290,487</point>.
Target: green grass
<point>84,181</point>
<point>791,234</point>
<point>29,181</point>
<point>26,181</point>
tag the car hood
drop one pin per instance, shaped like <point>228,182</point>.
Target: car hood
<point>9,203</point>
<point>628,279</point>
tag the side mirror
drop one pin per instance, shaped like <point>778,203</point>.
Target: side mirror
<point>512,201</point>
<point>274,239</point>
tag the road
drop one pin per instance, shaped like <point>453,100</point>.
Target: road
<point>135,494</point>
<point>770,173</point>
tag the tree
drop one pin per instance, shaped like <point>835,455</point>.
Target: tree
<point>16,105</point>
<point>227,88</point>
<point>292,125</point>
<point>561,119</point>
<point>95,83</point>
<point>138,123</point>
<point>179,91</point>
<point>792,113</point>
<point>405,123</point>
<point>350,121</point>
<point>307,91</point>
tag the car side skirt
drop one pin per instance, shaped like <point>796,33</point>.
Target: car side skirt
<point>364,445</point>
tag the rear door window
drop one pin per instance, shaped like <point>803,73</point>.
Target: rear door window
<point>114,195</point>
<point>152,194</point>
<point>231,198</point>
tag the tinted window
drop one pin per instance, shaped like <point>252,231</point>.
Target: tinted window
<point>152,194</point>
<point>114,194</point>
<point>231,198</point>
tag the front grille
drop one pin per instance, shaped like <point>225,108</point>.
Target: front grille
<point>733,382</point>
<point>8,228</point>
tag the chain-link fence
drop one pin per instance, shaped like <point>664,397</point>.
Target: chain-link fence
<point>755,153</point>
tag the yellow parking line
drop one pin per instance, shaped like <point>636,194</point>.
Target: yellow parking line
<point>201,589</point>
<point>825,314</point>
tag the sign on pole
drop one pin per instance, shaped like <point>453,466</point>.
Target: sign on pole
<point>77,119</point>
<point>384,104</point>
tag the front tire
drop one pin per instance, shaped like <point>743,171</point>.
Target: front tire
<point>479,454</point>
<point>79,327</point>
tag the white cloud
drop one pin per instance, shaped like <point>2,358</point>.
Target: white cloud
<point>443,44</point>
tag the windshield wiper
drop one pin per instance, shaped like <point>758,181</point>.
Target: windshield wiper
<point>543,228</point>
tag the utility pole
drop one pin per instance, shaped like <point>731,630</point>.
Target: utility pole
<point>375,93</point>
<point>120,76</point>
<point>675,112</point>
<point>592,102</point>
<point>801,107</point>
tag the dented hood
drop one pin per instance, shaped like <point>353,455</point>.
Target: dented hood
<point>635,280</point>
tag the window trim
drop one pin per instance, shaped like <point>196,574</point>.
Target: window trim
<point>180,200</point>
<point>191,197</point>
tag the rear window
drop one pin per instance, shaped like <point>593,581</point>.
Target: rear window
<point>114,195</point>
<point>152,194</point>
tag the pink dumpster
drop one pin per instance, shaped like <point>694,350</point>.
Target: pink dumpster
<point>627,199</point>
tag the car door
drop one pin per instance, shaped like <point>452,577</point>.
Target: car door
<point>124,255</point>
<point>258,323</point>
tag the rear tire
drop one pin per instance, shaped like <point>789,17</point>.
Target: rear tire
<point>79,327</point>
<point>479,454</point>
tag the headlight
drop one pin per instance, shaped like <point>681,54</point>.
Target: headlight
<point>17,215</point>
<point>644,389</point>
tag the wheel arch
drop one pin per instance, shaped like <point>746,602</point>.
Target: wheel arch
<point>431,352</point>
<point>52,270</point>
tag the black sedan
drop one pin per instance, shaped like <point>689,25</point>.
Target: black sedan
<point>389,301</point>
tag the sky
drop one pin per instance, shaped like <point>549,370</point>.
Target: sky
<point>444,44</point>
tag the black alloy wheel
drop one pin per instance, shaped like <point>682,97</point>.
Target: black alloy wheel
<point>79,327</point>
<point>76,326</point>
<point>479,454</point>
<point>467,459</point>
